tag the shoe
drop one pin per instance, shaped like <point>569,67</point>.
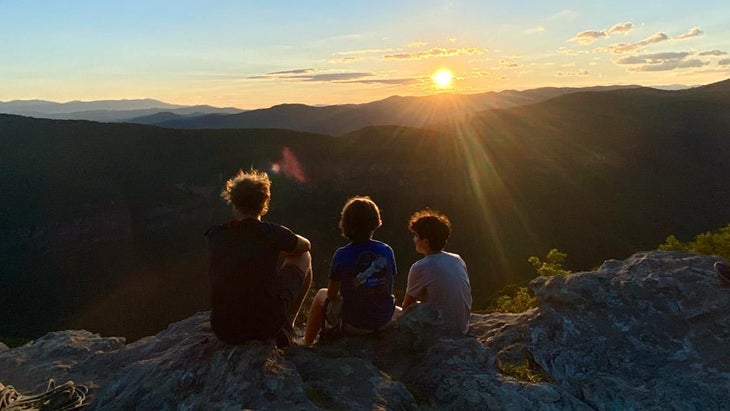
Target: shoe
<point>723,271</point>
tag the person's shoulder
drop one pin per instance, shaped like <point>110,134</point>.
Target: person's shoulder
<point>270,226</point>
<point>381,245</point>
<point>452,256</point>
<point>215,230</point>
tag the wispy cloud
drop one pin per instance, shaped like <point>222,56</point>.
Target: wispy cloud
<point>297,71</point>
<point>656,58</point>
<point>694,32</point>
<point>331,76</point>
<point>666,61</point>
<point>436,52</point>
<point>724,62</point>
<point>712,53</point>
<point>590,36</point>
<point>344,60</point>
<point>572,73</point>
<point>671,65</point>
<point>621,28</point>
<point>624,48</point>
<point>315,75</point>
<point>310,74</point>
<point>389,81</point>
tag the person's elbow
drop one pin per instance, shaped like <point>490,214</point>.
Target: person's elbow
<point>303,245</point>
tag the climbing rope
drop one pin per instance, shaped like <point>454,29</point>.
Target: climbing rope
<point>65,397</point>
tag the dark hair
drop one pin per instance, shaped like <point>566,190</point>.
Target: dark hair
<point>432,225</point>
<point>249,192</point>
<point>359,218</point>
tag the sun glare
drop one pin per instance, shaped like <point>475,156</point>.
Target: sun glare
<point>442,78</point>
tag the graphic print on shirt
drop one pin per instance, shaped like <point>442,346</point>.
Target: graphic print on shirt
<point>372,270</point>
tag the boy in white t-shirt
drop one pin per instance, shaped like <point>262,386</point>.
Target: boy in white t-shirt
<point>439,278</point>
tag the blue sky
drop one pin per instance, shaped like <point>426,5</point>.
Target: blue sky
<point>256,54</point>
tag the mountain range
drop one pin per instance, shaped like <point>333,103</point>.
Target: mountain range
<point>101,224</point>
<point>106,110</point>
<point>333,119</point>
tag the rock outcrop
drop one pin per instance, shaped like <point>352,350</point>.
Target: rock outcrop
<point>649,332</point>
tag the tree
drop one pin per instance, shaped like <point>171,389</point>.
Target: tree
<point>710,243</point>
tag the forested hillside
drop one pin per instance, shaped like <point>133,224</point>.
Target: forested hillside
<point>101,225</point>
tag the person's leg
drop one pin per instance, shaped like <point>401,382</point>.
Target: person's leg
<point>304,264</point>
<point>316,317</point>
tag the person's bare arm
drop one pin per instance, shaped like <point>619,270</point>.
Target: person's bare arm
<point>303,245</point>
<point>408,300</point>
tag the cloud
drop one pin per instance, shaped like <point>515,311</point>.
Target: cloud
<point>712,53</point>
<point>436,52</point>
<point>694,32</point>
<point>297,71</point>
<point>417,43</point>
<point>348,59</point>
<point>624,48</point>
<point>389,81</point>
<point>312,75</point>
<point>668,61</point>
<point>656,58</point>
<point>507,63</point>
<point>621,28</point>
<point>331,76</point>
<point>670,65</point>
<point>724,62</point>
<point>588,37</point>
<point>534,30</point>
<point>572,73</point>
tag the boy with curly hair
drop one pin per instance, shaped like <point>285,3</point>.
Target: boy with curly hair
<point>260,271</point>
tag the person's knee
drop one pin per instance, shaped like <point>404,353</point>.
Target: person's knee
<point>320,297</point>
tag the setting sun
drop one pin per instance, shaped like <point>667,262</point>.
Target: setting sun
<point>442,78</point>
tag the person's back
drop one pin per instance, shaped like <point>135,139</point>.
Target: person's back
<point>439,278</point>
<point>244,293</point>
<point>365,271</point>
<point>254,295</point>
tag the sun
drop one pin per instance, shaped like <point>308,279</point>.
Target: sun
<point>442,78</point>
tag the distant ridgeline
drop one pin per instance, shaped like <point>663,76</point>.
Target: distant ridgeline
<point>101,224</point>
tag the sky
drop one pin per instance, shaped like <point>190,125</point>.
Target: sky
<point>255,54</point>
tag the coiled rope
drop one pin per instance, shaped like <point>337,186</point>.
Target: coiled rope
<point>65,397</point>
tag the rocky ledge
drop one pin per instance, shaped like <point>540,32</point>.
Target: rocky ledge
<point>649,332</point>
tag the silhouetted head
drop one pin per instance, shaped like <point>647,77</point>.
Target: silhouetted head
<point>359,218</point>
<point>249,192</point>
<point>432,226</point>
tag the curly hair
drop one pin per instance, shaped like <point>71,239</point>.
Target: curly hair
<point>249,192</point>
<point>359,218</point>
<point>433,225</point>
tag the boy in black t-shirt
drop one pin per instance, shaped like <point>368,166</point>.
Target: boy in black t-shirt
<point>260,271</point>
